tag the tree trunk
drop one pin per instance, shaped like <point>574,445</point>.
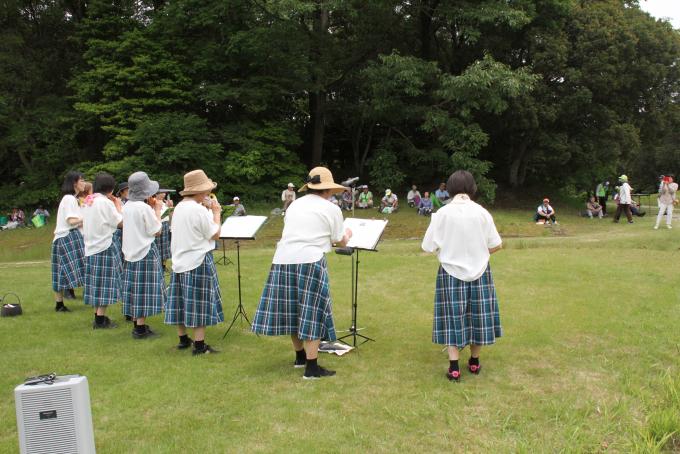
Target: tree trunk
<point>516,178</point>
<point>317,97</point>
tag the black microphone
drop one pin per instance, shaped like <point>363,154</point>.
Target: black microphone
<point>349,181</point>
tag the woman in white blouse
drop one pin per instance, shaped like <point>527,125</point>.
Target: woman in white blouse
<point>68,264</point>
<point>463,235</point>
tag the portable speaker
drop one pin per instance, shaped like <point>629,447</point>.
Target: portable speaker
<point>53,415</point>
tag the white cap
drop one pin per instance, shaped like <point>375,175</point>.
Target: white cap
<point>236,198</point>
<point>291,185</point>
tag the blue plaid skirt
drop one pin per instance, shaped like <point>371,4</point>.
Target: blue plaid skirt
<point>296,300</point>
<point>103,277</point>
<point>68,261</point>
<point>144,286</point>
<point>163,241</point>
<point>465,312</point>
<point>118,239</point>
<point>194,298</point>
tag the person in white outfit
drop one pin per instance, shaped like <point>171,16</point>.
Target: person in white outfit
<point>625,200</point>
<point>667,197</point>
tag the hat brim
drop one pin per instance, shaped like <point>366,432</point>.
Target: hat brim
<point>166,191</point>
<point>142,196</point>
<point>207,187</point>
<point>333,187</point>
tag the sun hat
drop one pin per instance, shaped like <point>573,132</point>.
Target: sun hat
<point>388,192</point>
<point>291,185</point>
<point>166,191</point>
<point>236,198</point>
<point>623,178</point>
<point>321,178</point>
<point>196,182</point>
<point>140,187</point>
<point>121,187</point>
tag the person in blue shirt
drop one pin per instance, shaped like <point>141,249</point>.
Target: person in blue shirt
<point>425,205</point>
<point>442,194</point>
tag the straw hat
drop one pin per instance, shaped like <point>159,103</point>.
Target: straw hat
<point>140,187</point>
<point>196,182</point>
<point>320,178</point>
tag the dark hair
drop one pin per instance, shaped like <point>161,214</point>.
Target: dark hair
<point>104,183</point>
<point>70,181</point>
<point>461,182</point>
<point>315,191</point>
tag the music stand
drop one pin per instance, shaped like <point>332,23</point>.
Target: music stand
<point>224,260</point>
<point>366,234</point>
<point>239,228</point>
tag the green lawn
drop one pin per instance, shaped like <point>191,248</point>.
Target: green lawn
<point>589,360</point>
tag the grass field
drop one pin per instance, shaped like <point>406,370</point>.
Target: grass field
<point>589,361</point>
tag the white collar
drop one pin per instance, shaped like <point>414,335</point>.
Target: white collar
<point>461,198</point>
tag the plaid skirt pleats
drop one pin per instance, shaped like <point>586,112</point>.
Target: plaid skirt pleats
<point>163,241</point>
<point>144,286</point>
<point>103,277</point>
<point>194,298</point>
<point>68,261</point>
<point>296,300</point>
<point>465,312</point>
<point>118,239</point>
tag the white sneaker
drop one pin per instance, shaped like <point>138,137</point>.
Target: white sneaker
<point>669,226</point>
<point>656,227</point>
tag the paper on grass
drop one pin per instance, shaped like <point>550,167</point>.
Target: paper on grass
<point>337,348</point>
<point>365,232</point>
<point>244,227</point>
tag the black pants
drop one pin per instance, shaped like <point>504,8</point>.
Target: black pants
<point>603,204</point>
<point>538,217</point>
<point>623,208</point>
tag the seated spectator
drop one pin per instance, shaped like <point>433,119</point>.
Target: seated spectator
<point>389,203</point>
<point>347,201</point>
<point>16,219</point>
<point>636,210</point>
<point>41,212</point>
<point>17,216</point>
<point>442,194</point>
<point>335,199</point>
<point>365,198</point>
<point>425,205</point>
<point>239,209</point>
<point>593,208</point>
<point>545,214</point>
<point>413,197</point>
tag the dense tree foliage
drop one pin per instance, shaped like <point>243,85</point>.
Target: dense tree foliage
<point>521,92</point>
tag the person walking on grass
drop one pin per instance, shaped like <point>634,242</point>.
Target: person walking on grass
<point>143,284</point>
<point>602,192</point>
<point>68,248</point>
<point>194,299</point>
<point>463,235</point>
<point>296,299</point>
<point>667,198</point>
<point>102,216</point>
<point>624,200</point>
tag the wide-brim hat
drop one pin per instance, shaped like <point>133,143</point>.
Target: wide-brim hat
<point>166,191</point>
<point>320,179</point>
<point>140,187</point>
<point>196,182</point>
<point>623,178</point>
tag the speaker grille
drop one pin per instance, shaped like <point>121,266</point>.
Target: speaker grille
<point>54,433</point>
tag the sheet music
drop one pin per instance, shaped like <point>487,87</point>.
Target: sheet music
<point>245,227</point>
<point>365,232</point>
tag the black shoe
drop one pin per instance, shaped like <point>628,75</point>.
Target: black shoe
<point>147,333</point>
<point>69,294</point>
<point>128,318</point>
<point>185,345</point>
<point>320,373</point>
<point>299,364</point>
<point>106,324</point>
<point>62,308</point>
<point>205,350</point>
